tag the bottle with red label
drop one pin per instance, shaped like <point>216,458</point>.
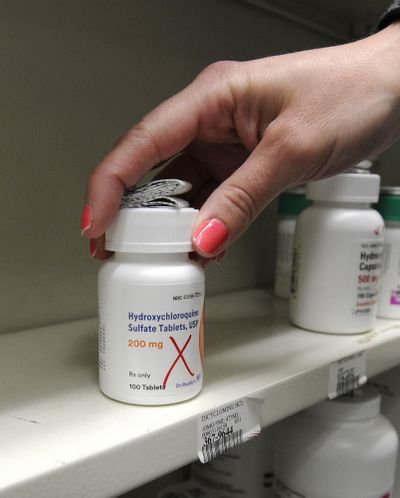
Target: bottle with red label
<point>151,296</point>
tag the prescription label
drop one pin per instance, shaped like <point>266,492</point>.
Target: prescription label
<point>162,344</point>
<point>367,257</point>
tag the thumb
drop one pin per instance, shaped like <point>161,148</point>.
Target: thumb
<point>236,203</point>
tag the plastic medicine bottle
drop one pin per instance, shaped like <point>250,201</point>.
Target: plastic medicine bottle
<point>337,449</point>
<point>389,386</point>
<point>291,204</point>
<point>389,296</point>
<point>337,256</point>
<point>150,308</point>
<point>244,471</point>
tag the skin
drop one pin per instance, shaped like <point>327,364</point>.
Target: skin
<point>244,131</point>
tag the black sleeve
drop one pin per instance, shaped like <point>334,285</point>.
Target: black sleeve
<point>392,14</point>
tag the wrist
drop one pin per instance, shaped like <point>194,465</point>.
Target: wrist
<point>385,52</point>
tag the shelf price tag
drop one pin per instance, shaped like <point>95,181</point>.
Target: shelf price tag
<point>227,426</point>
<point>347,374</point>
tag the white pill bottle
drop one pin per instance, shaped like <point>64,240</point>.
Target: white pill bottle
<point>338,449</point>
<point>388,384</point>
<point>245,471</point>
<point>338,256</point>
<point>151,297</point>
<point>389,296</point>
<point>291,204</point>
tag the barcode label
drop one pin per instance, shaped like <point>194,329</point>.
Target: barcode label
<point>227,426</point>
<point>212,450</point>
<point>347,374</point>
<point>347,383</point>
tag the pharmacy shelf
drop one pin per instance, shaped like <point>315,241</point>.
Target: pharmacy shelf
<point>61,437</point>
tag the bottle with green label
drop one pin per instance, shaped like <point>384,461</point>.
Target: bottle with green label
<point>291,204</point>
<point>389,296</point>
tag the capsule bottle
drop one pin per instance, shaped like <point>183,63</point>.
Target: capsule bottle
<point>291,204</point>
<point>389,296</point>
<point>338,256</point>
<point>388,384</point>
<point>337,449</point>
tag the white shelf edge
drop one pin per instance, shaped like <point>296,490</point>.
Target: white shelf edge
<point>61,436</point>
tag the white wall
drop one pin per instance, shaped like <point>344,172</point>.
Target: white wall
<point>74,76</point>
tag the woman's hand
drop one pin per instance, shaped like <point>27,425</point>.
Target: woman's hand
<point>244,131</point>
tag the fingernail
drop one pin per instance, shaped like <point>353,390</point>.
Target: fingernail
<point>210,236</point>
<point>86,219</point>
<point>92,248</point>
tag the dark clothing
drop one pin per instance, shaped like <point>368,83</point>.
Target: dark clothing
<point>392,14</point>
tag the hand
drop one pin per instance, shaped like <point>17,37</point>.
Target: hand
<point>246,131</point>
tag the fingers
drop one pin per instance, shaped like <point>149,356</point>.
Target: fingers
<point>165,131</point>
<point>203,110</point>
<point>97,249</point>
<point>231,208</point>
<point>205,166</point>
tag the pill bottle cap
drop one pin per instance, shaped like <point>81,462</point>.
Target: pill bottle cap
<point>362,404</point>
<point>293,202</point>
<point>152,230</point>
<point>362,167</point>
<point>389,203</point>
<point>345,187</point>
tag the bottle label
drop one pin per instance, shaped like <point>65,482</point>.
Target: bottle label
<point>294,279</point>
<point>368,256</point>
<point>283,491</point>
<point>391,273</point>
<point>163,343</point>
<point>395,296</point>
<point>283,268</point>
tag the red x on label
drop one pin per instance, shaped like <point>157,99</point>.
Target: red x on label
<point>179,357</point>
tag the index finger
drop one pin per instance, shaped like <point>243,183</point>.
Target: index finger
<point>163,132</point>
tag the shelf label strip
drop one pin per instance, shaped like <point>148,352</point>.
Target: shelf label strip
<point>227,426</point>
<point>347,374</point>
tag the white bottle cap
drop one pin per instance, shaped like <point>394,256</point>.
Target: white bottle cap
<point>362,404</point>
<point>346,187</point>
<point>152,230</point>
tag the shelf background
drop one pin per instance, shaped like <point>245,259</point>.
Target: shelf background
<point>61,435</point>
<point>79,74</point>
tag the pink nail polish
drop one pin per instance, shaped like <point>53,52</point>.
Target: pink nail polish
<point>86,219</point>
<point>210,236</point>
<point>93,248</point>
